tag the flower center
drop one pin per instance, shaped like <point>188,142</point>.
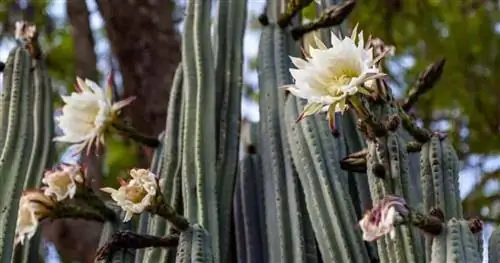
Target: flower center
<point>62,180</point>
<point>135,194</point>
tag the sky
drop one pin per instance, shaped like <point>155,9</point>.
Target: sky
<point>249,108</point>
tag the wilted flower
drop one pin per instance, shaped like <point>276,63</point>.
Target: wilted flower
<point>24,31</point>
<point>330,75</point>
<point>136,195</point>
<point>380,220</point>
<point>63,181</point>
<point>33,206</point>
<point>88,113</point>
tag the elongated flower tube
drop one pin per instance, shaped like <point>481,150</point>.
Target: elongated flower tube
<point>88,113</point>
<point>330,76</point>
<point>63,181</point>
<point>33,206</point>
<point>381,219</point>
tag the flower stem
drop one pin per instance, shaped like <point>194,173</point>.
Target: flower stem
<point>420,134</point>
<point>427,223</point>
<point>88,196</point>
<point>73,210</point>
<point>165,210</point>
<point>129,240</point>
<point>135,135</point>
<point>375,127</point>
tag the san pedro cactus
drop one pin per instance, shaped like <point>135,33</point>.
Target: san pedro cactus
<point>25,139</point>
<point>335,171</point>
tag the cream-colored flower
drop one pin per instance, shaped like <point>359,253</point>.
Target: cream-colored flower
<point>33,206</point>
<point>24,31</point>
<point>63,181</point>
<point>136,195</point>
<point>88,113</point>
<point>330,75</point>
<point>381,219</point>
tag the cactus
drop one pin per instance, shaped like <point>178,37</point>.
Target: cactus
<point>455,244</point>
<point>26,134</point>
<point>303,183</point>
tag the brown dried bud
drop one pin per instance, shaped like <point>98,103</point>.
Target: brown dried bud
<point>393,123</point>
<point>379,171</point>
<point>437,212</point>
<point>475,225</point>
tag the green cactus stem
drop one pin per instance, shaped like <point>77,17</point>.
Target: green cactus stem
<point>194,246</point>
<point>325,187</point>
<point>17,142</point>
<point>228,52</point>
<point>249,212</point>
<point>199,170</point>
<point>455,244</point>
<point>494,246</point>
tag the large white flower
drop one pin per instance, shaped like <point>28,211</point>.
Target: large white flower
<point>63,181</point>
<point>33,206</point>
<point>330,75</point>
<point>136,195</point>
<point>88,113</point>
<point>381,219</point>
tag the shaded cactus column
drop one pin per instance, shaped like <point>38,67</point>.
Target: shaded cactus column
<point>169,168</point>
<point>229,30</point>
<point>25,137</point>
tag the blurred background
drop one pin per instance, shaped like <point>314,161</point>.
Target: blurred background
<point>140,42</point>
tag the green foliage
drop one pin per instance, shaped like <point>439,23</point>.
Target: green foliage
<point>465,34</point>
<point>118,160</point>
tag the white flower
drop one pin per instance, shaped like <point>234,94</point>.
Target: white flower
<point>63,181</point>
<point>136,195</point>
<point>330,75</point>
<point>33,206</point>
<point>381,219</point>
<point>87,114</point>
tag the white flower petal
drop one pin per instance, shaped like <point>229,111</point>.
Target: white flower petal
<point>86,114</point>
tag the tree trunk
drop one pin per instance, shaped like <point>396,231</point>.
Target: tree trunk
<point>66,234</point>
<point>143,38</point>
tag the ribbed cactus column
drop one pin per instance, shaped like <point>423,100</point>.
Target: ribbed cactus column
<point>40,156</point>
<point>285,218</point>
<point>169,168</point>
<point>439,168</point>
<point>455,244</point>
<point>328,203</point>
<point>25,136</point>
<point>199,178</point>
<point>229,30</point>
<point>494,246</point>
